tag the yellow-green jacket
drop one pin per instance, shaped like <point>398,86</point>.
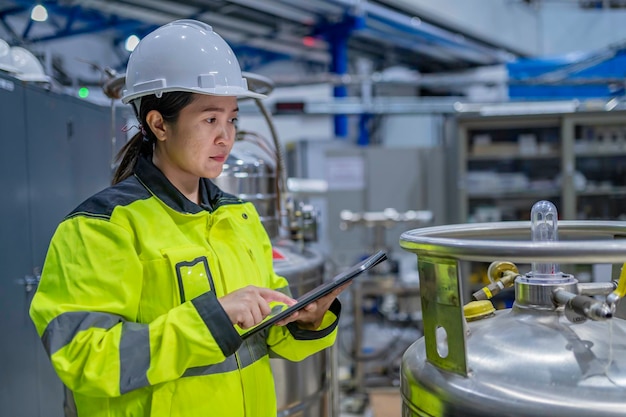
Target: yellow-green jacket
<point>127,307</point>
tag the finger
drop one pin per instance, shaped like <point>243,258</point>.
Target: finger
<point>246,320</point>
<point>311,307</point>
<point>251,315</point>
<point>264,307</point>
<point>289,319</point>
<point>339,290</point>
<point>271,295</point>
<point>260,311</point>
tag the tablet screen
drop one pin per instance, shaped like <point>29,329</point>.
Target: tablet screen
<point>280,311</point>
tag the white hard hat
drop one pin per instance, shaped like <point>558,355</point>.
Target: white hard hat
<point>6,59</point>
<point>184,55</point>
<point>28,66</point>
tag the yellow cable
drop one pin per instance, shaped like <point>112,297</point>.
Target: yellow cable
<point>620,291</point>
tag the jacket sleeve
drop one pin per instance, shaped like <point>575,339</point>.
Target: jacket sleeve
<point>291,342</point>
<point>86,307</point>
<point>295,344</point>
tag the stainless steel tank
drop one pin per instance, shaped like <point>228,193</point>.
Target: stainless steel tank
<point>557,352</point>
<point>302,388</point>
<point>252,178</point>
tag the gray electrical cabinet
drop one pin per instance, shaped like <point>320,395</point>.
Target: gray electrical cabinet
<point>56,151</point>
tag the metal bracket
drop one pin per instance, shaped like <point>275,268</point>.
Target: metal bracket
<point>442,312</point>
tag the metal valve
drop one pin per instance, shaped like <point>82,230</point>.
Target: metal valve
<point>303,225</point>
<point>579,308</point>
<point>501,275</point>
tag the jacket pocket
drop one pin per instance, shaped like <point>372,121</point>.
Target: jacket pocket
<point>189,268</point>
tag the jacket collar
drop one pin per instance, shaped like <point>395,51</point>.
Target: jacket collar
<point>156,182</point>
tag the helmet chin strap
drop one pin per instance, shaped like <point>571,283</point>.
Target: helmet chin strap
<point>136,105</point>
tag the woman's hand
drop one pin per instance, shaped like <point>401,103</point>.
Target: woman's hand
<point>248,306</point>
<point>310,317</point>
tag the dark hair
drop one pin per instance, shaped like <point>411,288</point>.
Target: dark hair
<point>169,105</point>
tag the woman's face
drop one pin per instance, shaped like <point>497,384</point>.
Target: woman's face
<point>199,142</point>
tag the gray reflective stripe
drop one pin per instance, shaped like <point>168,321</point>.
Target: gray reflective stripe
<point>252,349</point>
<point>275,355</point>
<point>134,343</point>
<point>63,328</point>
<point>230,364</point>
<point>218,322</point>
<point>134,356</point>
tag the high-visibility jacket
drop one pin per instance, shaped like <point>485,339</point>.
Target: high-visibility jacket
<point>127,307</point>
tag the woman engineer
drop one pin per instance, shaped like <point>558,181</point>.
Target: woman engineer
<point>148,285</point>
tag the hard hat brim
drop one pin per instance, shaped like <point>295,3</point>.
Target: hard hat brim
<point>239,93</point>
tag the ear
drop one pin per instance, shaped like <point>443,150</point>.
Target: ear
<point>156,124</point>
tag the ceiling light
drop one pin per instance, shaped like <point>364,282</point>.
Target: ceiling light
<point>39,13</point>
<point>131,43</point>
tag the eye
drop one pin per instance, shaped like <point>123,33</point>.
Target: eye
<point>211,120</point>
<point>234,120</point>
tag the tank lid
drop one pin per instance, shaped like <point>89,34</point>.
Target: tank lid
<point>476,310</point>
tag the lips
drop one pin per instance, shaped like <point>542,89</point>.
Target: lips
<point>220,158</point>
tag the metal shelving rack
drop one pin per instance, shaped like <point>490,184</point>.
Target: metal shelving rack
<point>576,159</point>
<point>597,149</point>
<point>500,155</point>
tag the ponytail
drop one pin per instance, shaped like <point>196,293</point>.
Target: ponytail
<point>142,143</point>
<point>128,156</point>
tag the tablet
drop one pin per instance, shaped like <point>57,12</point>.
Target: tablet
<point>280,312</point>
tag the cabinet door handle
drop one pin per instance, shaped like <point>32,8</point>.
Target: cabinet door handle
<point>30,282</point>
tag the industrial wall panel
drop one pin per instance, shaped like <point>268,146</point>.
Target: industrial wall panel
<point>49,164</point>
<point>91,148</point>
<point>57,151</point>
<point>409,178</point>
<point>19,396</point>
<point>70,156</point>
<point>69,149</point>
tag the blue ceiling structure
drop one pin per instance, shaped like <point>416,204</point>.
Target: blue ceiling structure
<point>328,34</point>
<point>594,74</point>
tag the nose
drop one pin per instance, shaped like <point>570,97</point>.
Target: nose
<point>225,134</point>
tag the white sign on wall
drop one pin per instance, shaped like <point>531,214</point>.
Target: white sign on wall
<point>345,173</point>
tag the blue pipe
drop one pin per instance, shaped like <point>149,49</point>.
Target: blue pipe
<point>338,35</point>
<point>339,53</point>
<point>406,23</point>
<point>364,135</point>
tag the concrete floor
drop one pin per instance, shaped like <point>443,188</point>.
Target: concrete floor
<point>380,402</point>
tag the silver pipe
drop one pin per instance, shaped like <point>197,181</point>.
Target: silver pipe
<point>596,288</point>
<point>280,155</point>
<point>583,305</point>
